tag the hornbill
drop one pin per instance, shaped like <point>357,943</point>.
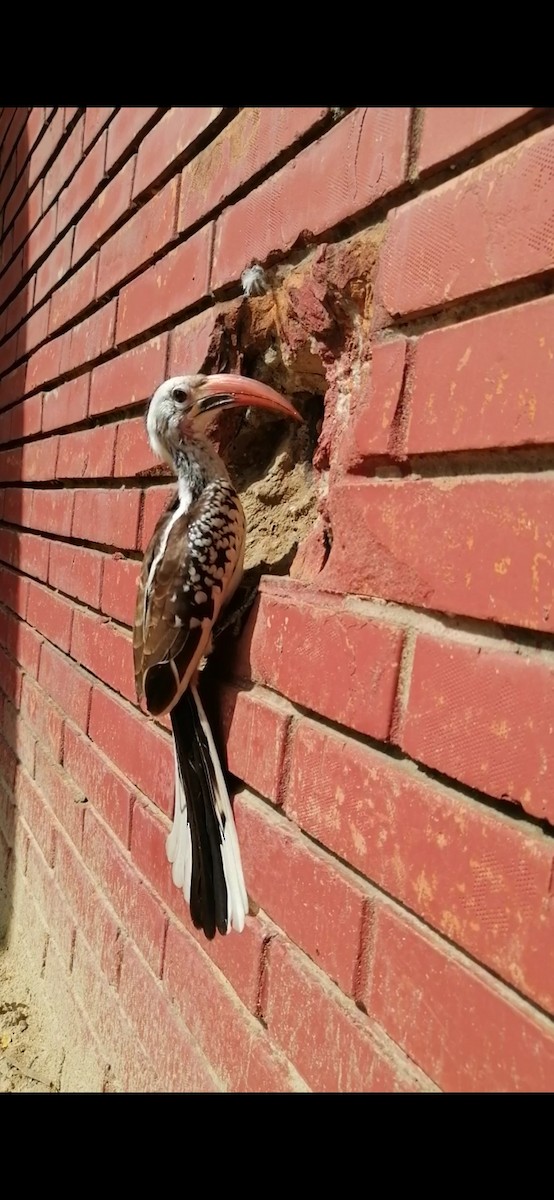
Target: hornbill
<point>191,569</point>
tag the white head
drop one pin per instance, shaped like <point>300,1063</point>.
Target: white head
<point>176,410</point>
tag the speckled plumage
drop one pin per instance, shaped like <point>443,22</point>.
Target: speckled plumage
<point>180,600</point>
<point>190,571</point>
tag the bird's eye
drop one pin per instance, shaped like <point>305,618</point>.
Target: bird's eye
<point>180,395</point>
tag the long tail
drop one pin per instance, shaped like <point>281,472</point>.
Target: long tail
<point>203,844</point>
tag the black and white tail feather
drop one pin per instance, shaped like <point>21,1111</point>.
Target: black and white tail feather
<point>203,845</point>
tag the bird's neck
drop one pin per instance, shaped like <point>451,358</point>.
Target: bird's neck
<point>197,464</point>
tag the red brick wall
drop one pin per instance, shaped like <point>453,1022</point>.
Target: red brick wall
<point>397,744</point>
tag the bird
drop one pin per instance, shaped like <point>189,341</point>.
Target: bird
<point>191,569</point>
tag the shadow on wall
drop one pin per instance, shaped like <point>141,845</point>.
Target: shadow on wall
<point>18,420</point>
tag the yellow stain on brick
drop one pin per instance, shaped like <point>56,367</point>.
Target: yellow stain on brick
<point>500,728</point>
<point>501,567</point>
<point>500,385</point>
<point>464,359</point>
<point>537,559</point>
<point>424,889</point>
<point>451,925</point>
<point>358,839</point>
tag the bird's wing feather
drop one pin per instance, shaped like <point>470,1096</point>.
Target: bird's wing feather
<point>187,570</point>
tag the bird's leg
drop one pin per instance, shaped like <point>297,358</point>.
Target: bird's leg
<point>233,618</point>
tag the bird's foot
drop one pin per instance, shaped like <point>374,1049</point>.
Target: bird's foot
<point>234,620</point>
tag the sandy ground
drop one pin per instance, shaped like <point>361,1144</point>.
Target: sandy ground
<point>28,1062</point>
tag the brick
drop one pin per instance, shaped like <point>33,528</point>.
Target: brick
<point>45,364</point>
<point>463,711</point>
<point>35,124</point>
<point>44,718</point>
<point>10,280</point>
<point>133,455</point>
<point>490,539</point>
<point>167,1042</point>
<point>18,505</point>
<point>19,737</point>
<point>12,386</point>
<point>35,460</point>
<point>107,515</point>
<point>130,378</point>
<point>239,958</point>
<point>255,730</point>
<point>310,647</point>
<point>84,184</point>
<point>95,120</point>
<point>357,162</point>
<point>68,115</point>
<point>69,687</point>
<point>104,212</point>
<point>18,198</point>
<point>7,249</point>
<point>88,1063</point>
<point>76,571</point>
<point>134,746</point>
<point>41,238</point>
<point>150,230</point>
<point>169,141</point>
<point>448,132</point>
<point>370,429</point>
<point>53,511</point>
<point>66,404</point>
<point>477,876</point>
<point>63,797</point>
<point>155,501</point>
<point>104,788</point>
<point>125,131</point>
<point>8,353</point>
<point>51,903</point>
<point>64,165</point>
<point>8,761</point>
<point>8,178</point>
<point>104,650</point>
<point>31,806</point>
<point>490,227</point>
<point>45,148</point>
<point>14,589</point>
<point>75,296</point>
<point>24,644</point>
<point>25,418</point>
<point>484,383</point>
<point>190,342</point>
<point>29,215</point>
<point>34,330</point>
<point>332,1046</point>
<point>13,133</point>
<point>302,890</point>
<point>139,911</point>
<point>246,146</point>
<point>92,338</point>
<point>128,1062</point>
<point>465,1031</point>
<point>119,588</point>
<point>93,918</point>
<point>235,1045</point>
<point>164,290</point>
<point>87,454</point>
<point>50,614</point>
